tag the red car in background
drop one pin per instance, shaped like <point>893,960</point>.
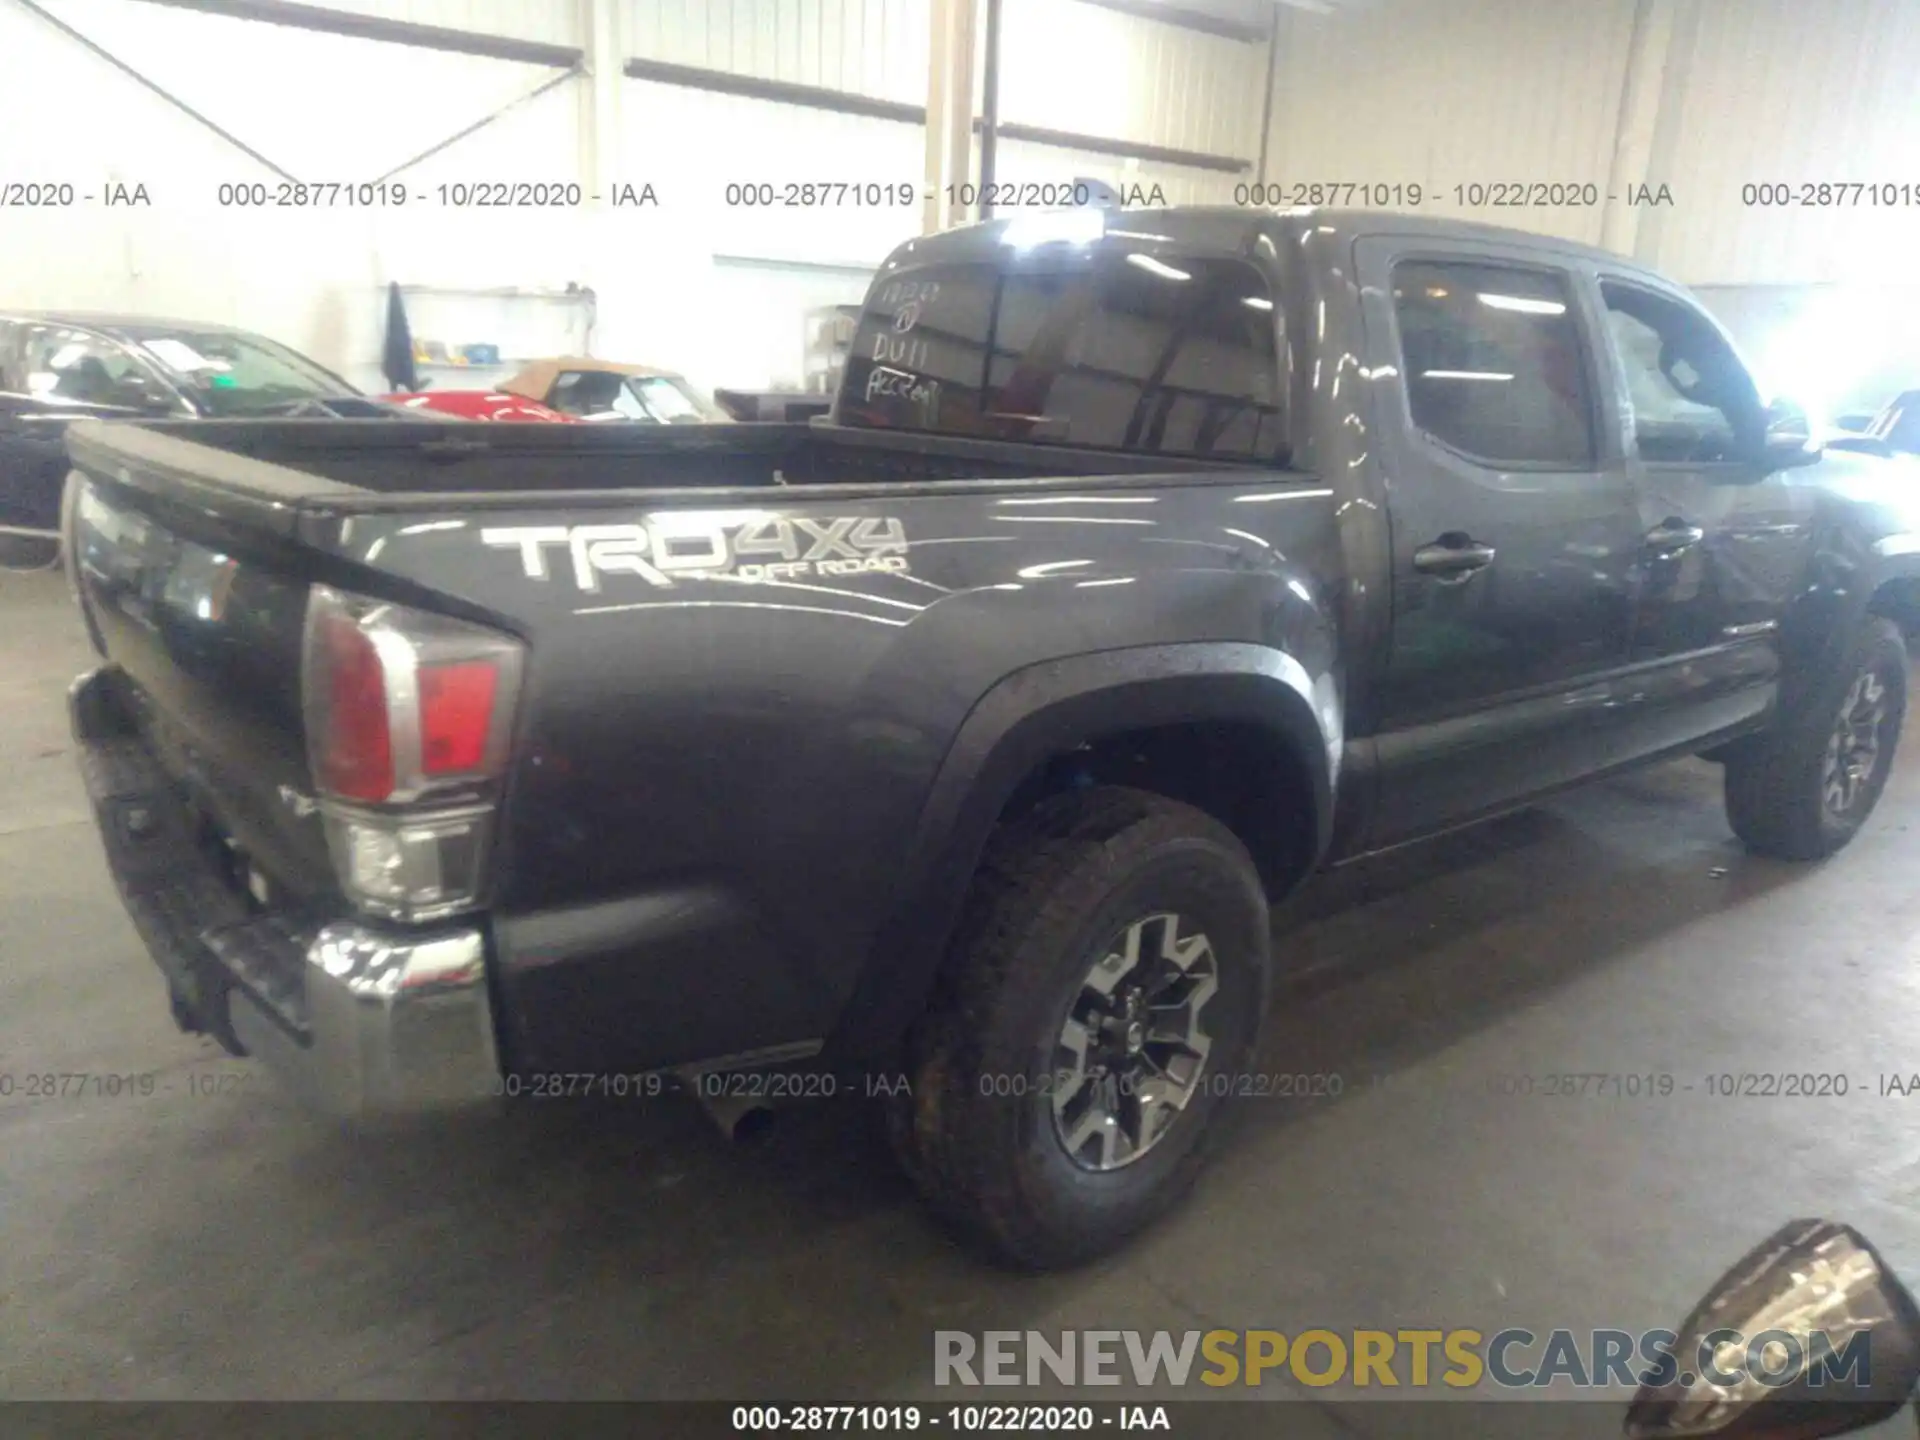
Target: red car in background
<point>480,405</point>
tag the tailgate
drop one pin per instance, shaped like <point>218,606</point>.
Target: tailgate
<point>191,589</point>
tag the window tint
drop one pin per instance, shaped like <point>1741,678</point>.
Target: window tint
<point>1111,349</point>
<point>1492,361</point>
<point>1692,399</point>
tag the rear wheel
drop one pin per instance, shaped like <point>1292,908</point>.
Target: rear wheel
<point>1106,984</point>
<point>1803,789</point>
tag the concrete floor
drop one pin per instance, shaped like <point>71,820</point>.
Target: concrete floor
<point>230,1246</point>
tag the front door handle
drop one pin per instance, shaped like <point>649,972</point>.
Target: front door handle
<point>1674,534</point>
<point>1455,556</point>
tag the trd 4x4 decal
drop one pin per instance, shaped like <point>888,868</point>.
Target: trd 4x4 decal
<point>746,546</point>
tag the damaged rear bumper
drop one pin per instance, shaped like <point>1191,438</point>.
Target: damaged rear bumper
<point>358,1019</point>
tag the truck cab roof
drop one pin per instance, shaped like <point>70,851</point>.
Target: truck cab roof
<point>1224,228</point>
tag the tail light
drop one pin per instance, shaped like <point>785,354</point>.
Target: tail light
<point>409,717</point>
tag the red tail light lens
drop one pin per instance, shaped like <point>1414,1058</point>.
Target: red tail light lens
<point>408,718</point>
<point>404,705</point>
<point>456,715</point>
<point>354,759</point>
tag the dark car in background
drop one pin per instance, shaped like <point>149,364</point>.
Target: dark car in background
<point>56,368</point>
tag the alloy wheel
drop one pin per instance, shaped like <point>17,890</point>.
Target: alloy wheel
<point>1853,749</point>
<point>1134,1046</point>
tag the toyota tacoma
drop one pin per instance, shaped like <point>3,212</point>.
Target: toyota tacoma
<point>1148,563</point>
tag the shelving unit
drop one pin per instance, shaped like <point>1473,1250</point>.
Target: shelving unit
<point>526,323</point>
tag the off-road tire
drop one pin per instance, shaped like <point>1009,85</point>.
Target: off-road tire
<point>1776,781</point>
<point>977,1132</point>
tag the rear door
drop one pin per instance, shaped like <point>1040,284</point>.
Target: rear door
<point>1723,542</point>
<point>1514,532</point>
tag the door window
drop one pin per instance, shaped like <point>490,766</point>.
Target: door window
<point>1493,363</point>
<point>1692,400</point>
<point>75,367</point>
<point>596,394</point>
<point>671,401</point>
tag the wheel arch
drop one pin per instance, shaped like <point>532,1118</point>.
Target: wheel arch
<point>1038,714</point>
<point>1896,590</point>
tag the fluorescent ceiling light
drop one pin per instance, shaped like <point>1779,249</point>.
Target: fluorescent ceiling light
<point>1257,302</point>
<point>1464,375</point>
<point>1052,567</point>
<point>1522,305</point>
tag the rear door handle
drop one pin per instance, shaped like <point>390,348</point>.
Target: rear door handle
<point>1454,556</point>
<point>1674,534</point>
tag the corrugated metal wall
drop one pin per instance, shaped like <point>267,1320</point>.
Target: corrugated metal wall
<point>864,47</point>
<point>311,105</point>
<point>1785,92</point>
<point>556,22</point>
<point>1449,93</point>
<point>1070,66</point>
<point>1065,65</point>
<point>1442,92</point>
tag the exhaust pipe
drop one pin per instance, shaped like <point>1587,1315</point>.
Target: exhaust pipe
<point>738,1117</point>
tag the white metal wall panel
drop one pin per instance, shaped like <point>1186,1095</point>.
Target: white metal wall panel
<point>310,277</point>
<point>727,195</point>
<point>555,22</point>
<point>732,187</point>
<point>863,47</point>
<point>1071,66</point>
<point>284,91</point>
<point>1139,182</point>
<point>1065,65</point>
<point>1785,92</point>
<point>1452,92</point>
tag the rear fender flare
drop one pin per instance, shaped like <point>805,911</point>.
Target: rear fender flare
<point>1045,710</point>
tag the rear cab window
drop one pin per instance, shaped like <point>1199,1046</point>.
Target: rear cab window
<point>1115,346</point>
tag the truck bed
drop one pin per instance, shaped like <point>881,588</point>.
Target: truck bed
<point>431,458</point>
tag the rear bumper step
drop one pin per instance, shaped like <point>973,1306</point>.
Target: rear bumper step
<point>357,1019</point>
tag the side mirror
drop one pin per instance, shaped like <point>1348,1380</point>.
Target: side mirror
<point>1809,1335</point>
<point>1787,439</point>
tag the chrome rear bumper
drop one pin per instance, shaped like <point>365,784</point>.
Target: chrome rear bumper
<point>394,1024</point>
<point>359,1020</point>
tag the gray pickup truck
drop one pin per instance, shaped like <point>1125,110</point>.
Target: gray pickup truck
<point>1148,563</point>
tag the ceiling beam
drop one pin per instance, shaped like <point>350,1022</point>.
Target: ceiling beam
<point>1186,18</point>
<point>842,102</point>
<point>327,21</point>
